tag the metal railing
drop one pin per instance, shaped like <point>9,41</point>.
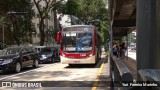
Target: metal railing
<point>119,72</point>
<point>151,78</point>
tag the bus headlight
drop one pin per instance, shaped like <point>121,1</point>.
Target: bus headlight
<point>90,55</point>
<point>63,55</point>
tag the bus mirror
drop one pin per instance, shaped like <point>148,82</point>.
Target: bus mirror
<point>95,40</point>
<point>58,35</point>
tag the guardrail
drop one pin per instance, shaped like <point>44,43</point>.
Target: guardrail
<point>119,72</point>
<point>150,77</point>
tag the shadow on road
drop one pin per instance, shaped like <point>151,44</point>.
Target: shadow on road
<point>97,65</point>
<point>10,72</point>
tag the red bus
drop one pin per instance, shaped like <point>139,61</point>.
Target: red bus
<point>79,44</point>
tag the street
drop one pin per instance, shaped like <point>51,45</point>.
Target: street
<point>56,72</point>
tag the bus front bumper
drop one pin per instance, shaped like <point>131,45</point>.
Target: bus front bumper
<point>88,60</point>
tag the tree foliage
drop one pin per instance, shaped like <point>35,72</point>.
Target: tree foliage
<point>18,27</point>
<point>88,10</point>
<point>43,13</point>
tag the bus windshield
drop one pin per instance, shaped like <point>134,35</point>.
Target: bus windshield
<point>77,41</point>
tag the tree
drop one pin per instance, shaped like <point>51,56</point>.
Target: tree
<point>43,13</point>
<point>18,26</point>
<point>88,10</point>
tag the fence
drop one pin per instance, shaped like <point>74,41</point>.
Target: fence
<point>119,73</point>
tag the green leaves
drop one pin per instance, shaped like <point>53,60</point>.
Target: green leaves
<point>44,14</point>
<point>17,27</point>
<point>1,20</point>
<point>88,10</point>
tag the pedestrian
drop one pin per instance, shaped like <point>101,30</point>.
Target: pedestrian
<point>124,48</point>
<point>115,50</point>
<point>119,49</point>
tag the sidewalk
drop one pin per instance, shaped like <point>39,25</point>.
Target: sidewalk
<point>131,63</point>
<point>104,78</point>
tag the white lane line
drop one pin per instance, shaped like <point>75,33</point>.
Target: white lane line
<point>25,72</point>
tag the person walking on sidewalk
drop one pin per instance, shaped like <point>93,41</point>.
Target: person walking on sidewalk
<point>124,48</point>
<point>115,50</point>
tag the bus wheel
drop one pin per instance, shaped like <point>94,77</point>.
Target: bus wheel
<point>99,56</point>
<point>52,60</point>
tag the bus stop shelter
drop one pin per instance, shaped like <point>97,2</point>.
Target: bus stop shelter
<point>144,17</point>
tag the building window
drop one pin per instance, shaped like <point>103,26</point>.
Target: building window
<point>34,35</point>
<point>40,6</point>
<point>51,19</point>
<point>34,24</point>
<point>45,26</point>
<point>38,16</point>
<point>37,25</point>
<point>50,27</point>
<point>38,35</point>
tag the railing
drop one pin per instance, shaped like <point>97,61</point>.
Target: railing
<point>150,77</point>
<point>120,75</point>
<point>119,72</point>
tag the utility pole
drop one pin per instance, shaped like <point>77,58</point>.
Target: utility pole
<point>3,35</point>
<point>55,23</point>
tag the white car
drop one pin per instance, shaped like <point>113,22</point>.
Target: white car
<point>103,49</point>
<point>38,48</point>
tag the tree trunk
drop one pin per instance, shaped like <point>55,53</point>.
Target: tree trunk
<point>14,33</point>
<point>16,39</point>
<point>30,38</point>
<point>42,34</point>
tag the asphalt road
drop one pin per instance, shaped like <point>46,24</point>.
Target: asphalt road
<point>58,76</point>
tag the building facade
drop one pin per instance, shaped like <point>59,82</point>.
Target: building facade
<point>48,26</point>
<point>132,39</point>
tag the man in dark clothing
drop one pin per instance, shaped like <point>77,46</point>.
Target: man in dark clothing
<point>115,50</point>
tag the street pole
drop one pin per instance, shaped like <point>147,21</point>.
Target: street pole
<point>55,30</point>
<point>3,35</point>
<point>127,45</point>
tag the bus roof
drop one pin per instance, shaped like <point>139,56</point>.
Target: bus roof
<point>79,26</point>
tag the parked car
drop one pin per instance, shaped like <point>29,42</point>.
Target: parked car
<point>57,53</point>
<point>103,48</point>
<point>16,58</point>
<point>49,54</point>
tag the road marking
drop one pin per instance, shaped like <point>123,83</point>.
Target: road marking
<point>24,72</point>
<point>97,79</point>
